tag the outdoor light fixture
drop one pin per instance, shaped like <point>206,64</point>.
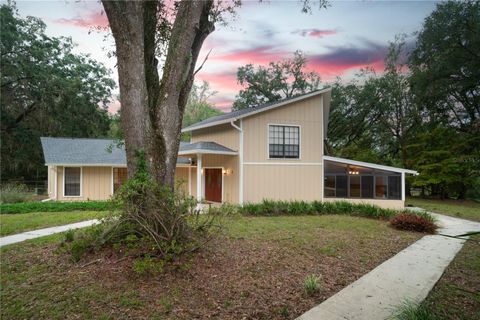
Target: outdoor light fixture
<point>352,172</point>
<point>227,172</point>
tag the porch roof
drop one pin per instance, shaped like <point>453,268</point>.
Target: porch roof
<point>369,165</point>
<point>205,147</point>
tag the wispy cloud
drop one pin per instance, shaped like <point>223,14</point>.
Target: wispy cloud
<point>256,55</point>
<point>315,33</point>
<point>91,19</point>
<point>338,60</point>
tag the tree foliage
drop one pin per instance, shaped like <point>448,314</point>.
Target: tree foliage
<point>281,79</point>
<point>446,64</point>
<point>198,108</point>
<point>424,115</point>
<point>46,89</point>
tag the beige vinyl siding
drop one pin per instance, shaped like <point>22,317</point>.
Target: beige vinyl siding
<point>96,184</point>
<point>285,179</point>
<point>387,204</point>
<point>282,183</point>
<point>224,134</point>
<point>308,114</point>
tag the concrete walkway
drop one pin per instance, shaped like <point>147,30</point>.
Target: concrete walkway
<point>409,275</point>
<point>45,232</point>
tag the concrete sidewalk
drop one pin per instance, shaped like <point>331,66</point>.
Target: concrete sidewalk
<point>45,232</point>
<point>409,275</point>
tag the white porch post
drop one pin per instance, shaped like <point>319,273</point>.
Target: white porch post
<point>199,177</point>
<point>403,186</point>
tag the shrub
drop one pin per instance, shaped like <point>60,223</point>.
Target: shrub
<point>54,206</point>
<point>152,220</point>
<point>413,222</point>
<point>311,284</point>
<point>14,193</point>
<point>272,208</point>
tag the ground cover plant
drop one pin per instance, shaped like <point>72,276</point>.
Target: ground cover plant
<point>413,222</point>
<point>16,223</point>
<point>255,269</point>
<point>54,206</point>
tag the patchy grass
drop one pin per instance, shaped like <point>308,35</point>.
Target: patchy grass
<point>255,270</point>
<point>456,295</point>
<point>16,223</point>
<point>465,209</point>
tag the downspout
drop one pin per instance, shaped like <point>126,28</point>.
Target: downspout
<point>240,158</point>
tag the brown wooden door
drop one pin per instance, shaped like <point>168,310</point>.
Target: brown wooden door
<point>213,185</point>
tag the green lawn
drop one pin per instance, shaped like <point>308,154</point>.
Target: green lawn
<point>466,209</point>
<point>16,223</point>
<point>254,269</point>
<point>456,295</point>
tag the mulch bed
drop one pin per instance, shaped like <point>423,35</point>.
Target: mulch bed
<point>230,279</point>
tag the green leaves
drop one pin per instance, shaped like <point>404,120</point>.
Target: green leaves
<point>46,90</point>
<point>281,79</point>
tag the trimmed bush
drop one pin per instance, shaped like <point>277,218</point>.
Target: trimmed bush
<point>413,222</point>
<point>54,206</point>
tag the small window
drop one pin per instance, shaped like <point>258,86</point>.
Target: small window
<point>72,181</point>
<point>284,142</point>
<point>119,177</point>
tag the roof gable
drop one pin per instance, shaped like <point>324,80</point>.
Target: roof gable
<point>235,115</point>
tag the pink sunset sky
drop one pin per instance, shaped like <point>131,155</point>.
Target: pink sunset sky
<point>337,41</point>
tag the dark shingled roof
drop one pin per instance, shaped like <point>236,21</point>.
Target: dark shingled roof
<point>245,112</point>
<point>83,151</point>
<point>205,146</point>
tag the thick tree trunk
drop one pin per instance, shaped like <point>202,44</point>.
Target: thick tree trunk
<point>126,23</point>
<point>152,109</point>
<point>189,31</point>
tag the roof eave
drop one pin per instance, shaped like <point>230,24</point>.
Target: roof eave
<point>200,151</point>
<point>370,165</point>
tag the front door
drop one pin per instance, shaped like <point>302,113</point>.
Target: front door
<point>213,185</point>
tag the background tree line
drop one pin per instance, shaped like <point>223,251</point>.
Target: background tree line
<point>422,112</point>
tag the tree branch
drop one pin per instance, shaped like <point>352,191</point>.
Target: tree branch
<point>201,66</point>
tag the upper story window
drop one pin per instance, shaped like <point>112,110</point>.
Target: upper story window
<point>72,181</point>
<point>284,142</point>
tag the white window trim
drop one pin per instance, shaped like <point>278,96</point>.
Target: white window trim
<point>299,141</point>
<point>81,182</point>
<point>205,187</point>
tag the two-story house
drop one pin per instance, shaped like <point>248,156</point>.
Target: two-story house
<point>274,151</point>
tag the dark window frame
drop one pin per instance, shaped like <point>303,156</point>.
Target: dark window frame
<point>283,150</point>
<point>66,190</point>
<point>348,196</point>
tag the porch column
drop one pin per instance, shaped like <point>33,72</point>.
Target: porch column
<point>199,177</point>
<point>403,186</point>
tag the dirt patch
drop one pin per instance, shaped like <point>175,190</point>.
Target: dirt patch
<point>231,279</point>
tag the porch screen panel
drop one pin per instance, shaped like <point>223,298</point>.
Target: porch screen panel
<point>72,181</point>
<point>354,187</point>
<point>367,186</point>
<point>394,187</point>
<point>342,187</point>
<point>330,186</point>
<point>381,187</point>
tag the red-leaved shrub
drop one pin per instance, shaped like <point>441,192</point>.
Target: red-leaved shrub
<point>412,222</point>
